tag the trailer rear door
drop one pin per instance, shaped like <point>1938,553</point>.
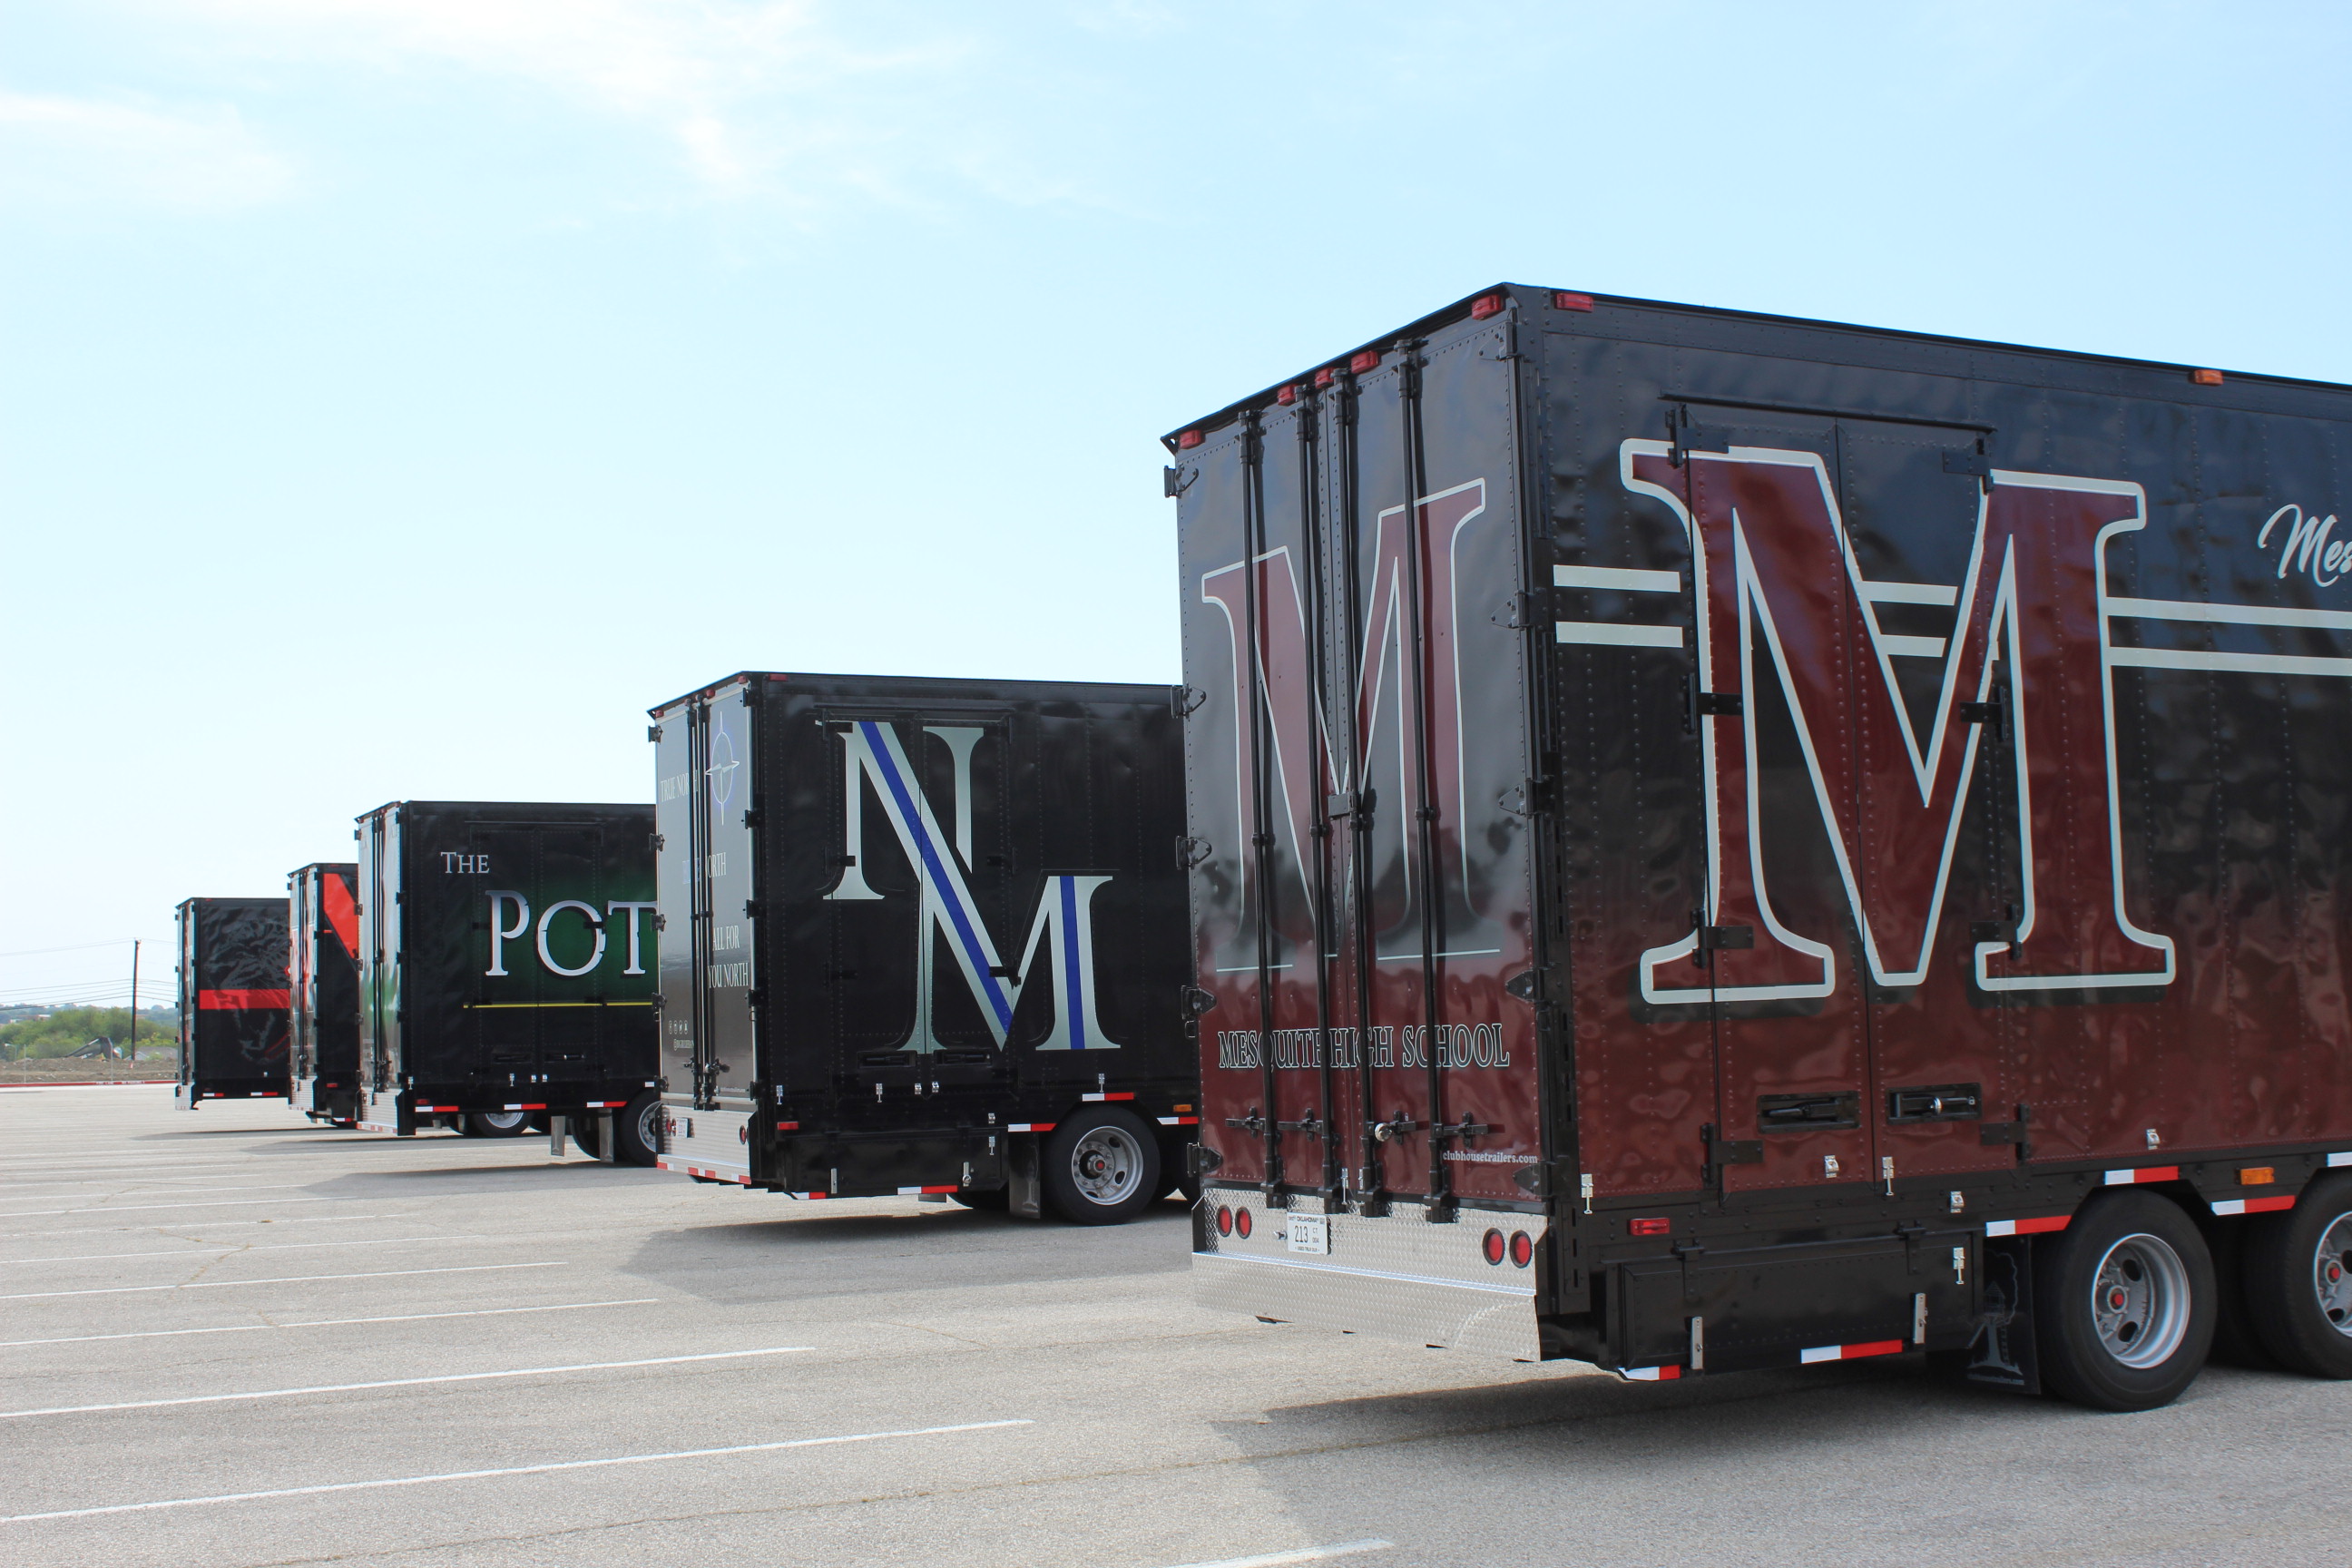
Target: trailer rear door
<point>1359,783</point>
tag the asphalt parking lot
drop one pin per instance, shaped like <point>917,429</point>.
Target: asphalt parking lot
<point>233,1338</point>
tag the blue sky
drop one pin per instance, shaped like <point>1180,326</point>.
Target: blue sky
<point>398,396</point>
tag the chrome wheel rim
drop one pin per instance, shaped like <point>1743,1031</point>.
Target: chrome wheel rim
<point>503,1121</point>
<point>649,1126</point>
<point>2139,1301</point>
<point>2331,1274</point>
<point>1107,1165</point>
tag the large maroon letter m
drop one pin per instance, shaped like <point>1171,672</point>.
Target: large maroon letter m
<point>1779,582</point>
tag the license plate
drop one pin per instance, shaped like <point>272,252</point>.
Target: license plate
<point>1310,1233</point>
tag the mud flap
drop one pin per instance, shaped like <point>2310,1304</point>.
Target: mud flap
<point>1026,1191</point>
<point>2002,1354</point>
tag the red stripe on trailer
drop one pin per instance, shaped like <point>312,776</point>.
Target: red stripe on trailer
<point>1179,1121</point>
<point>708,1175</point>
<point>217,1001</point>
<point>808,1198</point>
<point>422,1108</point>
<point>2144,1173</point>
<point>2253,1206</point>
<point>1029,1127</point>
<point>2027,1226</point>
<point>1099,1097</point>
<point>788,1126</point>
<point>1650,1373</point>
<point>516,1108</point>
<point>917,1191</point>
<point>1852,1352</point>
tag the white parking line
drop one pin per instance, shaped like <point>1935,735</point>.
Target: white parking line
<point>511,1470</point>
<point>328,1322</point>
<point>397,1383</point>
<point>290,1279</point>
<point>1301,1555</point>
<point>203,1251</point>
<point>108,1186</point>
<point>325,1323</point>
<point>141,1208</point>
<point>207,1225</point>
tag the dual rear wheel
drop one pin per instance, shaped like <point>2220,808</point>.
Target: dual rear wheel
<point>2127,1299</point>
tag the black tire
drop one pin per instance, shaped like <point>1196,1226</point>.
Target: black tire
<point>988,1200</point>
<point>1101,1167</point>
<point>494,1123</point>
<point>2301,1314</point>
<point>585,1132</point>
<point>2124,1303</point>
<point>636,1130</point>
<point>2235,1343</point>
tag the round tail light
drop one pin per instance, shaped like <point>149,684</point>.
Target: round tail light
<point>1522,1248</point>
<point>1493,1246</point>
<point>1225,1220</point>
<point>1242,1223</point>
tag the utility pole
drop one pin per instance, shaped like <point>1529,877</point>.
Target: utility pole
<point>134,1001</point>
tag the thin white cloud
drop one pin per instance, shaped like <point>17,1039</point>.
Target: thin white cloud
<point>63,152</point>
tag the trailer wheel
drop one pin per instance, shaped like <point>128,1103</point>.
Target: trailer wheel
<point>2299,1280</point>
<point>637,1131</point>
<point>2124,1303</point>
<point>495,1123</point>
<point>1101,1167</point>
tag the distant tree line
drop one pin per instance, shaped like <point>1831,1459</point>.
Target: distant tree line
<point>68,1029</point>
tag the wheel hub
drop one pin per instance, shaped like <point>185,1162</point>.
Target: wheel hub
<point>2140,1301</point>
<point>2330,1279</point>
<point>1107,1165</point>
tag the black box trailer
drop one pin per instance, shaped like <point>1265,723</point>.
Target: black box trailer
<point>1786,841</point>
<point>507,955</point>
<point>926,937</point>
<point>233,1000</point>
<point>323,1056</point>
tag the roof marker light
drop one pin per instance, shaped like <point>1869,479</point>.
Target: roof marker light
<point>1485,305</point>
<point>1287,395</point>
<point>2206,377</point>
<point>1326,376</point>
<point>1190,439</point>
<point>1370,359</point>
<point>1564,301</point>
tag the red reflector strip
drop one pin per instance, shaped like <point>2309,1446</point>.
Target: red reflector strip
<point>2026,1226</point>
<point>437,1107</point>
<point>788,1126</point>
<point>1114,1096</point>
<point>1651,1374</point>
<point>2253,1206</point>
<point>213,1001</point>
<point>1179,1121</point>
<point>917,1191</point>
<point>516,1108</point>
<point>712,1176</point>
<point>2144,1174</point>
<point>1029,1127</point>
<point>1852,1352</point>
<point>808,1198</point>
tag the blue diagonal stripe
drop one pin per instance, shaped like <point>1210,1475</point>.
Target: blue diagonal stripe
<point>1077,1013</point>
<point>911,814</point>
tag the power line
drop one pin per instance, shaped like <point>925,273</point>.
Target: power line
<point>77,947</point>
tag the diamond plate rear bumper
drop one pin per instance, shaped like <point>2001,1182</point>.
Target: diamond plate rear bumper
<point>1396,1275</point>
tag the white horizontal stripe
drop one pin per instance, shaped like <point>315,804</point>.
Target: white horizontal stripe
<point>330,1322</point>
<point>173,1189</point>
<point>290,1279</point>
<point>1523,1291</point>
<point>1610,633</point>
<point>1910,648</point>
<point>1298,1554</point>
<point>508,1470</point>
<point>142,1208</point>
<point>1910,593</point>
<point>2229,663</point>
<point>395,1383</point>
<point>2334,1159</point>
<point>1821,1352</point>
<point>1625,579</point>
<point>2228,615</point>
<point>207,1227</point>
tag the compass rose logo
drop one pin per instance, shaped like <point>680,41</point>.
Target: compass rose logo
<point>721,771</point>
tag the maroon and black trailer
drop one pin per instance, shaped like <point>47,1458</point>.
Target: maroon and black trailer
<point>1719,841</point>
<point>323,1053</point>
<point>233,1001</point>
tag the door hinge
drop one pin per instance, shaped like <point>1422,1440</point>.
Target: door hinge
<point>1719,705</point>
<point>1202,1158</point>
<point>1519,612</point>
<point>1191,852</point>
<point>1189,699</point>
<point>1974,463</point>
<point>1175,481</point>
<point>1195,1000</point>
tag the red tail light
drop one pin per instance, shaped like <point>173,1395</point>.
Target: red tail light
<point>1367,360</point>
<point>1649,1226</point>
<point>1564,301</point>
<point>1485,305</point>
<point>1187,441</point>
<point>1494,1247</point>
<point>1225,1220</point>
<point>1522,1248</point>
<point>1242,1223</point>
